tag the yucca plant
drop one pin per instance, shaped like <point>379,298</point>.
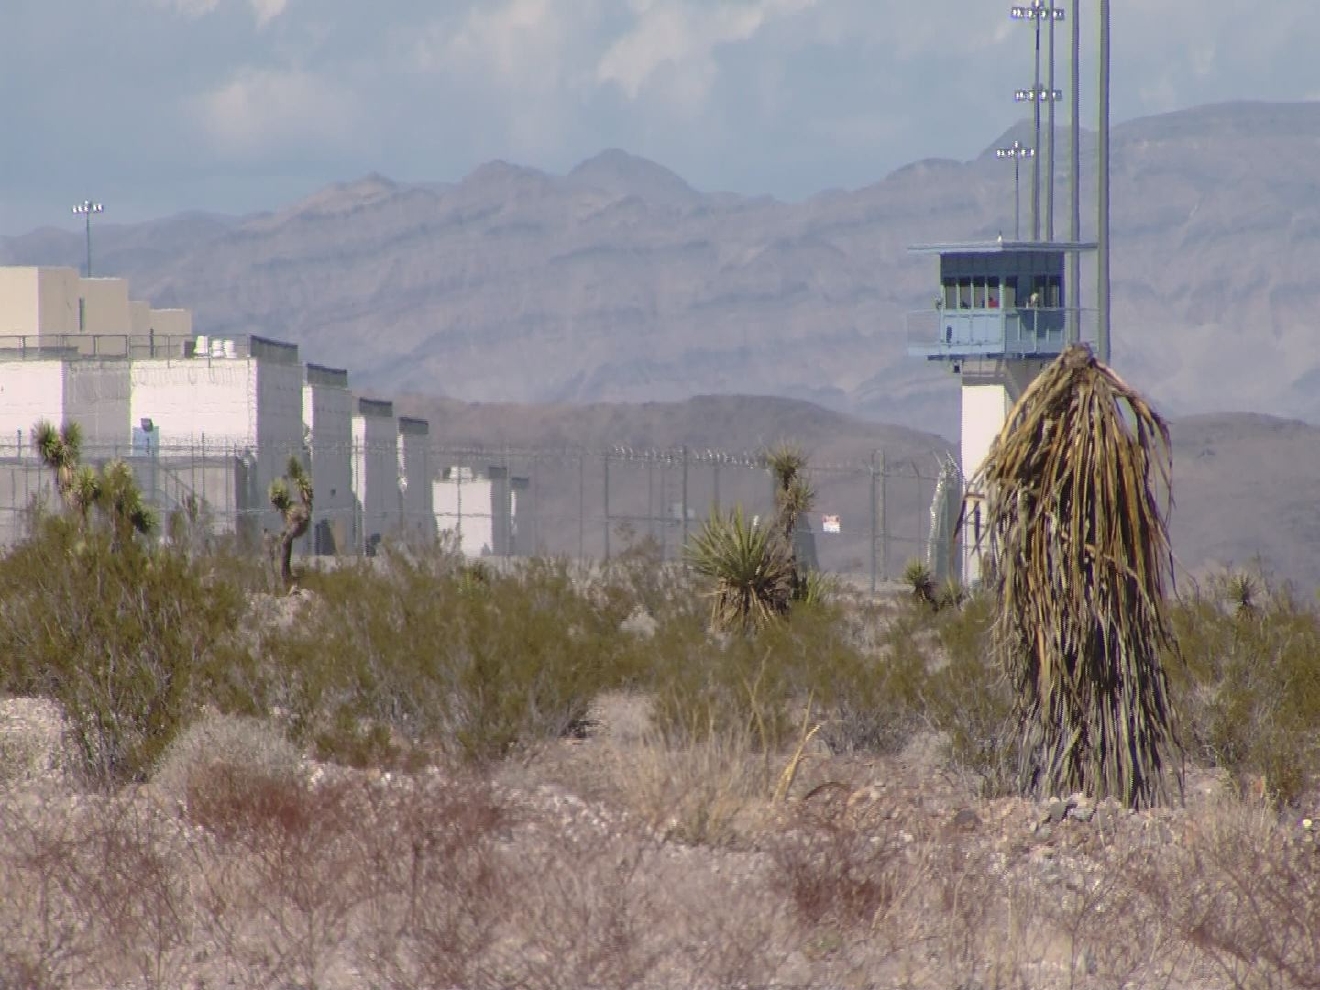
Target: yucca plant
<point>917,576</point>
<point>794,497</point>
<point>753,578</point>
<point>1081,548</point>
<point>296,515</point>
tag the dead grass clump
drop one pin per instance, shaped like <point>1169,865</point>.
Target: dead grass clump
<point>436,885</point>
<point>255,746</point>
<point>285,879</point>
<point>1243,894</point>
<point>835,873</point>
<point>712,788</point>
<point>48,938</point>
<point>139,885</point>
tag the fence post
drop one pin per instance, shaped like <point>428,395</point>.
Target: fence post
<point>882,477</point>
<point>606,462</point>
<point>650,494</point>
<point>685,496</point>
<point>582,504</point>
<point>874,523</point>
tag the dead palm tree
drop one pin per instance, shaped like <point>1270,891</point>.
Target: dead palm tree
<point>296,515</point>
<point>1081,548</point>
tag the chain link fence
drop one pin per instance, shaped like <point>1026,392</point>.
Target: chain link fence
<point>870,519</point>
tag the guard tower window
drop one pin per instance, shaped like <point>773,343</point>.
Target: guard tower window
<point>992,293</point>
<point>964,293</point>
<point>978,292</point>
<point>1010,295</point>
<point>950,293</point>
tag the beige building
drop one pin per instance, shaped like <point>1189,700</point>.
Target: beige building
<point>57,302</point>
<point>37,301</point>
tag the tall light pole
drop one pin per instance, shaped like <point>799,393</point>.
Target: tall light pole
<point>1032,13</point>
<point>1102,233</point>
<point>1016,152</point>
<point>1054,14</point>
<point>1074,299</point>
<point>85,209</point>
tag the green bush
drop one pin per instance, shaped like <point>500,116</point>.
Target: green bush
<point>970,699</point>
<point>409,647</point>
<point>125,636</point>
<point>1248,686</point>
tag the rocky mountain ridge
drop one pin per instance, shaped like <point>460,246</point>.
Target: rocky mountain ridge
<point>619,282</point>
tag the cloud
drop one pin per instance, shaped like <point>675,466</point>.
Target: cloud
<point>265,11</point>
<point>264,112</point>
<point>521,45</point>
<point>678,35</point>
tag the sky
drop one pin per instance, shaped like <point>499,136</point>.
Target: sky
<point>153,107</point>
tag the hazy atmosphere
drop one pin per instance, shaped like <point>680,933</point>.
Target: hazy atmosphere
<point>234,106</point>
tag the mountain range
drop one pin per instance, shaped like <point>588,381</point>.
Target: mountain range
<point>518,307</point>
<point>620,282</point>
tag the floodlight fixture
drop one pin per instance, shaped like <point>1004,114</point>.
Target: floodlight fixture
<point>1037,10</point>
<point>1017,151</point>
<point>1041,95</point>
<point>86,209</point>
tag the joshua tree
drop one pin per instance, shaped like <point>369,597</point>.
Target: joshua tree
<point>1082,556</point>
<point>753,578</point>
<point>297,515</point>
<point>118,496</point>
<point>114,490</point>
<point>59,449</point>
<point>794,496</point>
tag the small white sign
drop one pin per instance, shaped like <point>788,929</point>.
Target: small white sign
<point>830,524</point>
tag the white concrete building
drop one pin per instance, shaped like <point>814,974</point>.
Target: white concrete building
<point>375,473</point>
<point>481,509</point>
<point>328,426</point>
<point>415,478</point>
<point>93,392</point>
<point>235,401</point>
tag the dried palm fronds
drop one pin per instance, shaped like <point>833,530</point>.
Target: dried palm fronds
<point>1081,557</point>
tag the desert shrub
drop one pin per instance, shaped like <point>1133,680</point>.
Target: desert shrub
<point>833,872</point>
<point>436,883</point>
<point>1243,896</point>
<point>215,739</point>
<point>285,879</point>
<point>408,646</point>
<point>864,687</point>
<point>125,636</point>
<point>970,700</point>
<point>639,576</point>
<point>868,699</point>
<point>1249,688</point>
<point>704,685</point>
<point>707,790</point>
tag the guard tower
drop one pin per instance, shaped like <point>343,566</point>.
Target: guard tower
<point>998,316</point>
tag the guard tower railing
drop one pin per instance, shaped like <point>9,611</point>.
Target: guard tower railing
<point>1028,332</point>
